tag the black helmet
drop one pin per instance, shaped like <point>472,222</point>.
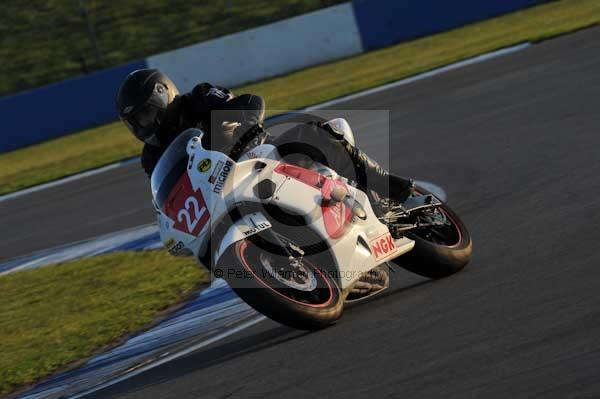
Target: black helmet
<point>142,102</point>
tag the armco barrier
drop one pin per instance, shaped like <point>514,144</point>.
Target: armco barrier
<point>58,109</point>
<point>269,50</point>
<point>385,22</point>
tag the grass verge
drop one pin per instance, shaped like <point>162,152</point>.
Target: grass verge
<point>54,316</point>
<point>55,32</point>
<point>96,147</point>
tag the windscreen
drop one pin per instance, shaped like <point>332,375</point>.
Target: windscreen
<point>171,166</point>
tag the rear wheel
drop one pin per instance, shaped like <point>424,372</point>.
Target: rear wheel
<point>292,290</point>
<point>440,250</point>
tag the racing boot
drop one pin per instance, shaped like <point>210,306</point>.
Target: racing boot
<point>369,174</point>
<point>372,176</point>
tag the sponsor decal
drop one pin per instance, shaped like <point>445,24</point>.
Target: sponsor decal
<point>336,217</point>
<point>217,93</point>
<point>337,213</point>
<point>176,249</point>
<point>186,207</point>
<point>204,165</point>
<point>251,155</point>
<point>191,162</point>
<point>258,227</point>
<point>222,177</point>
<point>383,246</point>
<point>213,177</point>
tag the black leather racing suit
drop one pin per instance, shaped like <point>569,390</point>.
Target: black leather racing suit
<point>224,117</point>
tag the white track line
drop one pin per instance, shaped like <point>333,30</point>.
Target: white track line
<point>64,180</point>
<point>421,76</point>
<point>168,358</point>
<point>424,75</point>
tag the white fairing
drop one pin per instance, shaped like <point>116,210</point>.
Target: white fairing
<point>261,151</point>
<point>245,227</point>
<point>218,183</point>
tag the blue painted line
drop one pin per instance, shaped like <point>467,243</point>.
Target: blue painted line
<point>140,244</point>
<point>213,314</point>
<point>138,238</point>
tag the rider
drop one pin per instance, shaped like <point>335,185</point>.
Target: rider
<point>152,108</point>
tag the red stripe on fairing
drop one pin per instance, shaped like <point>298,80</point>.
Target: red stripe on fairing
<point>306,176</point>
<point>244,246</point>
<point>336,215</point>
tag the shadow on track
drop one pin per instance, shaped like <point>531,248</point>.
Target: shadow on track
<point>227,351</point>
<point>232,349</point>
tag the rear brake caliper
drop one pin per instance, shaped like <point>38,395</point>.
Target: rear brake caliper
<point>417,211</point>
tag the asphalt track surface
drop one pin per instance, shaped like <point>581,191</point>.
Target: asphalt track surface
<point>515,143</point>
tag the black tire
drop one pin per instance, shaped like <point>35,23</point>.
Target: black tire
<point>434,260</point>
<point>252,282</point>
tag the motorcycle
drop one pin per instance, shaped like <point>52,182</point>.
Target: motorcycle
<point>297,242</point>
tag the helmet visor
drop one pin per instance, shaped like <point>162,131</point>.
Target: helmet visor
<point>146,119</point>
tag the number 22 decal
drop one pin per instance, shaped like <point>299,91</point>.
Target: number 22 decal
<point>186,207</point>
<point>191,220</point>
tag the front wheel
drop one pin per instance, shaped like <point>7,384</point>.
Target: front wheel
<point>292,291</point>
<point>441,250</point>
